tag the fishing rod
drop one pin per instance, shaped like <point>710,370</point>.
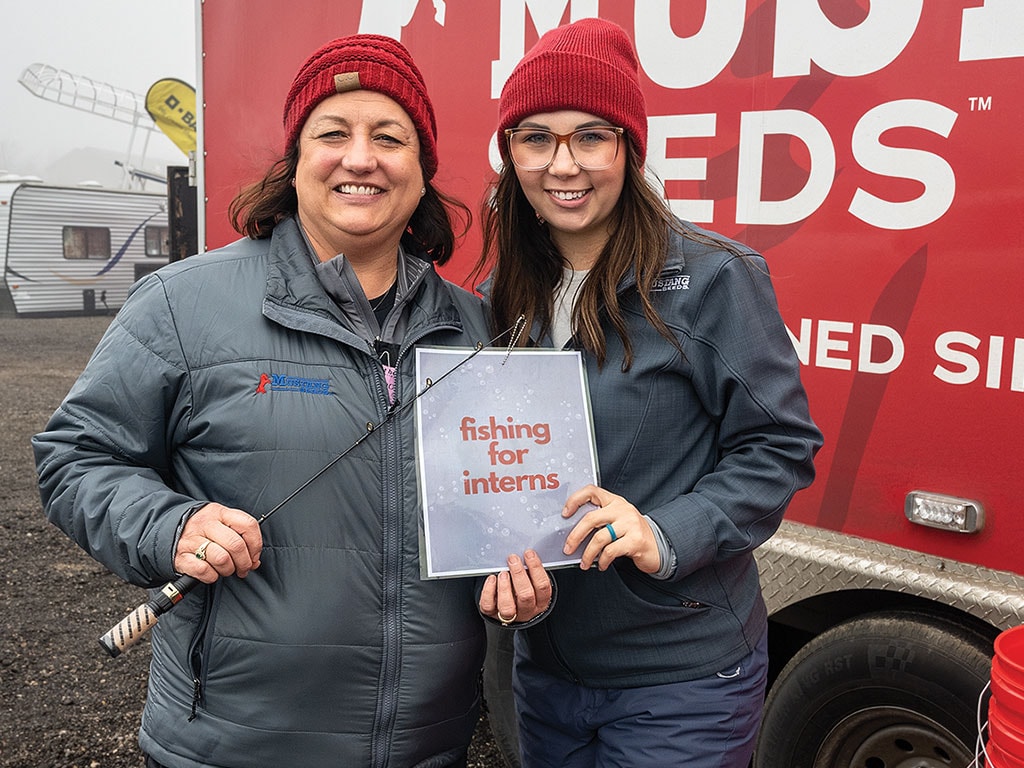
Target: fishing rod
<point>136,624</point>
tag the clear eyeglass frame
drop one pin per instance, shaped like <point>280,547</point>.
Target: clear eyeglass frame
<point>564,138</point>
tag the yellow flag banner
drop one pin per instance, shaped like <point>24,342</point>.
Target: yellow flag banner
<point>172,105</point>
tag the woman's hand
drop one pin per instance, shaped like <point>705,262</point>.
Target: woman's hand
<point>618,527</point>
<point>519,594</point>
<point>218,541</point>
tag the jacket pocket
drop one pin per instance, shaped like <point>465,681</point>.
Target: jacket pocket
<point>656,592</point>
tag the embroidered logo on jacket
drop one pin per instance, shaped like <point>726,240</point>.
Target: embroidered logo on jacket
<point>677,283</point>
<point>281,383</point>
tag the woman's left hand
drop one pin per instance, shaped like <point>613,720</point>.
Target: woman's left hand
<point>618,527</point>
<point>519,594</point>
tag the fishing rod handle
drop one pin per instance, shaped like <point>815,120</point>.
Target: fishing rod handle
<point>132,627</point>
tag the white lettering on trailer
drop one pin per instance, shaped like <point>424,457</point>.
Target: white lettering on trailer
<point>804,35</point>
<point>967,366</point>
<point>687,62</point>
<point>754,126</point>
<point>386,17</point>
<point>872,357</point>
<point>992,31</point>
<point>901,162</point>
<point>1017,372</point>
<point>390,17</point>
<point>880,349</point>
<point>869,335</point>
<point>828,343</point>
<point>932,171</point>
<point>659,130</point>
<point>546,15</point>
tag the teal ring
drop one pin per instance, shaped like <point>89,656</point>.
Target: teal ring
<point>611,532</point>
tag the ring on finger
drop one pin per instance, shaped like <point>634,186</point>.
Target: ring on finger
<point>611,532</point>
<point>201,552</point>
<point>506,621</point>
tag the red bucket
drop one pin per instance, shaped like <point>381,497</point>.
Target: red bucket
<point>997,758</point>
<point>1009,647</point>
<point>1005,734</point>
<point>1009,694</point>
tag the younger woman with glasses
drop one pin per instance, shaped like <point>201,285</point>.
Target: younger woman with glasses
<point>656,653</point>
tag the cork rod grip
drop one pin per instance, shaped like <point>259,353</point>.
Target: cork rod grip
<point>130,629</point>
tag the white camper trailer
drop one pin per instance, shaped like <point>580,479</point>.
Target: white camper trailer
<point>76,250</point>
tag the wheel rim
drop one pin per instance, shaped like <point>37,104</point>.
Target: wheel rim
<point>892,737</point>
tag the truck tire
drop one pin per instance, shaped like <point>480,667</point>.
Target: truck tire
<point>881,691</point>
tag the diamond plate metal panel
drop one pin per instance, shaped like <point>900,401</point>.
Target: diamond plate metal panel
<point>802,561</point>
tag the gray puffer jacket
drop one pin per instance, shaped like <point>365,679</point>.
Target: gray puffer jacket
<point>233,377</point>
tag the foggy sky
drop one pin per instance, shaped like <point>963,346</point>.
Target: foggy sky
<point>127,44</point>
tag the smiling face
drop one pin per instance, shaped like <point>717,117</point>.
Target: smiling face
<point>579,206</point>
<point>358,178</point>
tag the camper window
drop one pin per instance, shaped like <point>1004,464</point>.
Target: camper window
<point>158,241</point>
<point>86,243</point>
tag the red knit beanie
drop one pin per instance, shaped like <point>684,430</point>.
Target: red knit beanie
<point>590,66</point>
<point>363,62</point>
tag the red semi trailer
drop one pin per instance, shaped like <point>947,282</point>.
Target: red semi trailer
<point>870,150</point>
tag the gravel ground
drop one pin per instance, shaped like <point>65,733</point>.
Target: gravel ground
<point>65,702</point>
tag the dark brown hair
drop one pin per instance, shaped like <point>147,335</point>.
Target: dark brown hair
<point>260,206</point>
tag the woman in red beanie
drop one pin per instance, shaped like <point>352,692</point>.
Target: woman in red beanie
<point>230,378</point>
<point>656,652</point>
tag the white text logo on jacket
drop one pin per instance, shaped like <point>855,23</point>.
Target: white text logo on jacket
<point>676,283</point>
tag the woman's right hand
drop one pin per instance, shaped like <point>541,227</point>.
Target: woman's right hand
<point>519,594</point>
<point>218,541</point>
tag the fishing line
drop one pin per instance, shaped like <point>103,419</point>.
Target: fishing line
<point>981,745</point>
<point>136,624</point>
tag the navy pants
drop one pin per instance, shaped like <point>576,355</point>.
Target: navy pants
<point>707,723</point>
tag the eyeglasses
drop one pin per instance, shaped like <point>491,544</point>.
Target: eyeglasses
<point>592,149</point>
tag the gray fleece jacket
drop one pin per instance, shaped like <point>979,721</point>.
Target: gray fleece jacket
<point>711,443</point>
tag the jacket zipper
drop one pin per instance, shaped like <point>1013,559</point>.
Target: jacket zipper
<point>197,655</point>
<point>390,593</point>
<point>384,719</point>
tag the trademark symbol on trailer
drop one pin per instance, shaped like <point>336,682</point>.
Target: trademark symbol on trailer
<point>980,103</point>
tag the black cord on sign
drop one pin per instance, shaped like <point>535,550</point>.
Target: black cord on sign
<point>136,624</point>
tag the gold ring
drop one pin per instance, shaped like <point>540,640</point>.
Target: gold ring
<point>505,622</point>
<point>201,552</point>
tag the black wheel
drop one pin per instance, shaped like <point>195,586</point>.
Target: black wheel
<point>896,690</point>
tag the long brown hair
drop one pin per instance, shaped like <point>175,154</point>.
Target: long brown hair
<point>262,205</point>
<point>526,266</point>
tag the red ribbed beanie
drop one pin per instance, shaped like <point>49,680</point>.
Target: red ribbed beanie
<point>590,66</point>
<point>363,62</point>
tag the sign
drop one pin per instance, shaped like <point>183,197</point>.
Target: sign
<point>500,448</point>
<point>172,105</point>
